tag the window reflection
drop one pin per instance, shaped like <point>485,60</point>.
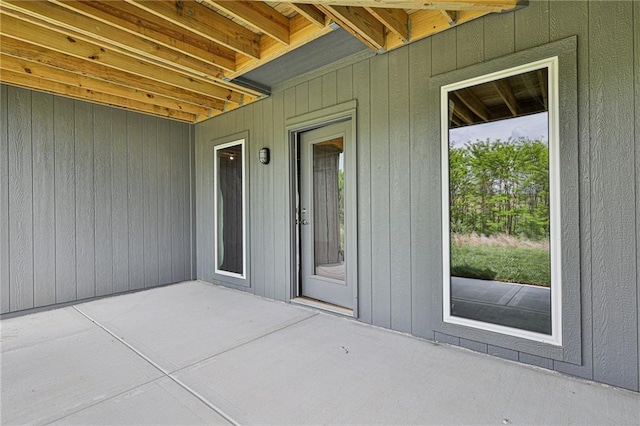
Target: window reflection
<point>499,202</point>
<point>230,210</point>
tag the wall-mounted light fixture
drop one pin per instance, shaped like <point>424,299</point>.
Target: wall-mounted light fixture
<point>264,155</point>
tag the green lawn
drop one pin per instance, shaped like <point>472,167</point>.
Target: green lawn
<point>510,264</point>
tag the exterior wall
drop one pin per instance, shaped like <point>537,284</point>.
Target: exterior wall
<point>95,200</point>
<point>399,233</point>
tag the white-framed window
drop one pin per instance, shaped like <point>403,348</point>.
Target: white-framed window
<point>230,229</point>
<point>501,202</point>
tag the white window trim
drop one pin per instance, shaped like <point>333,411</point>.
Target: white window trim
<point>217,148</point>
<point>554,204</point>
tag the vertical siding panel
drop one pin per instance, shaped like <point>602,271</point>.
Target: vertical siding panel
<point>189,191</point>
<point>425,261</point>
<point>178,201</point>
<point>532,25</point>
<point>281,214</point>
<point>636,73</point>
<point>290,102</point>
<point>135,200</point>
<point>44,238</point>
<point>4,201</point>
<point>315,94</point>
<point>267,206</point>
<point>302,98</point>
<point>470,43</point>
<point>499,35</point>
<point>399,191</point>
<point>104,245</point>
<point>164,201</point>
<point>255,194</point>
<point>362,92</point>
<point>442,57</point>
<point>344,84</point>
<point>567,19</point>
<point>120,211</point>
<point>150,195</point>
<point>202,135</point>
<point>381,288</point>
<point>20,200</point>
<point>65,199</point>
<point>329,89</point>
<point>85,207</point>
<point>615,337</point>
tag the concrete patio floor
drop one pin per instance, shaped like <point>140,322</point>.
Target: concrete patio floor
<point>194,353</point>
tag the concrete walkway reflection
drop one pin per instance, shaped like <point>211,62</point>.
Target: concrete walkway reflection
<point>514,305</point>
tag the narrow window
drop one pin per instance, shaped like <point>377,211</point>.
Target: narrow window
<point>229,205</point>
<point>501,227</point>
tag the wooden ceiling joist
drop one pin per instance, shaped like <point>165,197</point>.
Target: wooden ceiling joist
<point>311,13</point>
<point>199,19</point>
<point>471,100</point>
<point>48,86</point>
<point>178,58</point>
<point>396,20</point>
<point>257,15</point>
<point>73,44</point>
<point>506,93</point>
<point>66,19</point>
<point>360,23</point>
<point>302,32</point>
<point>21,49</point>
<point>485,5</point>
<point>142,24</point>
<point>94,85</point>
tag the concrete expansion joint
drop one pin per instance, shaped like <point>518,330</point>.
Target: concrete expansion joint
<point>166,373</point>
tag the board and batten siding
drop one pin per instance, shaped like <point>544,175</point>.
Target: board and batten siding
<point>94,200</point>
<point>399,223</point>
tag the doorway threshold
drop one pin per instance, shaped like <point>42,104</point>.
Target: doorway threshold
<point>324,306</point>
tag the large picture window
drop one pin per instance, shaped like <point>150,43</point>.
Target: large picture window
<point>230,209</point>
<point>501,227</point>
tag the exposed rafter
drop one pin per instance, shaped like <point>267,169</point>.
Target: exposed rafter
<point>486,5</point>
<point>196,18</point>
<point>258,15</point>
<point>359,23</point>
<point>506,93</point>
<point>180,58</point>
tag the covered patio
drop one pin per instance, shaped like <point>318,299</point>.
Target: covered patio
<point>196,353</point>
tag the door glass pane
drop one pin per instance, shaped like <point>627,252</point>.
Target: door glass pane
<point>499,202</point>
<point>328,208</point>
<point>230,213</point>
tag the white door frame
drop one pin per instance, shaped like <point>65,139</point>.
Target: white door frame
<point>309,121</point>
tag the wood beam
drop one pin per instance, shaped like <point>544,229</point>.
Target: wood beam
<point>425,23</point>
<point>203,21</point>
<point>113,37</point>
<point>396,20</point>
<point>506,93</point>
<point>542,80</point>
<point>75,46</point>
<point>302,32</point>
<point>461,111</point>
<point>451,16</point>
<point>473,102</point>
<point>44,56</point>
<point>136,21</point>
<point>258,15</point>
<point>360,23</point>
<point>44,72</point>
<point>310,12</point>
<point>62,89</point>
<point>485,5</point>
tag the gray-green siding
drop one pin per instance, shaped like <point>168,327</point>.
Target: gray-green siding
<point>94,200</point>
<point>399,231</point>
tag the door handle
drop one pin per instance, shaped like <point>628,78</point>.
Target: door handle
<point>305,222</point>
